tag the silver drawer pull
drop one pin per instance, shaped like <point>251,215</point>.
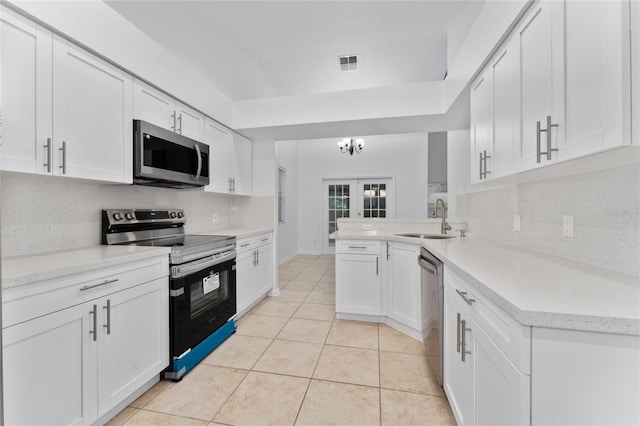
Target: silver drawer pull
<point>108,324</point>
<point>359,247</point>
<point>463,294</point>
<point>87,287</point>
<point>265,239</point>
<point>244,245</point>
<point>458,334</point>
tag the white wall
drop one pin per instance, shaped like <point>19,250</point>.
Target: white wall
<point>287,154</point>
<point>458,179</point>
<point>45,213</point>
<point>404,157</point>
<point>604,205</point>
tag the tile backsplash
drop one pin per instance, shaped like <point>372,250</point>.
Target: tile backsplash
<point>605,205</point>
<point>44,213</point>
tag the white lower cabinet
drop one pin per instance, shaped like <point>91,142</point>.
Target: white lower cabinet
<point>254,270</point>
<point>405,297</point>
<point>74,365</point>
<point>358,277</point>
<point>483,385</point>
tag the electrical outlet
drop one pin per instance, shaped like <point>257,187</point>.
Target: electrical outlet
<point>567,226</point>
<point>215,217</point>
<point>516,222</point>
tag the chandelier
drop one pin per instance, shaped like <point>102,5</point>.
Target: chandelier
<point>351,145</point>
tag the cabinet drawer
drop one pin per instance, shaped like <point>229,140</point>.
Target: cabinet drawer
<point>358,246</point>
<point>250,243</point>
<point>513,338</point>
<point>30,301</point>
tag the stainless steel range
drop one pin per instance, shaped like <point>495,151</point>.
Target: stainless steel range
<point>202,305</point>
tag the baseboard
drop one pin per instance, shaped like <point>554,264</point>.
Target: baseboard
<point>286,259</point>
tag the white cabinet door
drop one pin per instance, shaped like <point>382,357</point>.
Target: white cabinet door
<point>481,119</point>
<point>458,374</point>
<point>218,139</point>
<point>244,283</point>
<point>134,340</point>
<point>539,38</point>
<point>240,160</point>
<point>504,117</point>
<point>358,287</point>
<point>153,106</point>
<point>405,299</point>
<point>92,110</point>
<point>597,82</point>
<point>501,390</point>
<point>263,272</point>
<point>25,101</point>
<point>49,366</point>
<point>190,123</point>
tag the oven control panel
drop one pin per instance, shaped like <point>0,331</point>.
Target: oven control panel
<point>137,216</point>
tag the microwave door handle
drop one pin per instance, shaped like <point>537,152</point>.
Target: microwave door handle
<point>197,176</point>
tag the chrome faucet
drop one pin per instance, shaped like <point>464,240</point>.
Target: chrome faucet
<point>445,226</point>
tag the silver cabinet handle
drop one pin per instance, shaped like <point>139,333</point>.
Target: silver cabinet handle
<point>358,247</point>
<point>48,163</point>
<point>484,161</point>
<point>180,121</point>
<point>173,116</point>
<point>88,287</point>
<point>64,158</point>
<point>108,324</point>
<point>539,130</point>
<point>94,312</point>
<point>463,343</point>
<point>387,250</point>
<point>480,177</point>
<point>197,176</point>
<point>233,183</point>
<point>549,127</point>
<point>265,239</point>
<point>463,294</point>
<point>257,257</point>
<point>377,265</point>
<point>245,244</point>
<point>230,180</point>
<point>458,334</point>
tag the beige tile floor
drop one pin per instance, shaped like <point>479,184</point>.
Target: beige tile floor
<point>291,362</point>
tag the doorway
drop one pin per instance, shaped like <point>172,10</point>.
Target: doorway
<point>367,198</point>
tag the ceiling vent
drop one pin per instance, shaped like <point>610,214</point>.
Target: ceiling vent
<point>348,62</point>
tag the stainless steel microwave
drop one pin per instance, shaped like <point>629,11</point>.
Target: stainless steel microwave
<point>164,158</point>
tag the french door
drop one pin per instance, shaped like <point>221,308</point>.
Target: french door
<point>354,198</point>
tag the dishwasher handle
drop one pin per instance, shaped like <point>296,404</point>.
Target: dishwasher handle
<point>427,266</point>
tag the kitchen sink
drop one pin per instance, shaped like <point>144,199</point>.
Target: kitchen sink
<point>427,236</point>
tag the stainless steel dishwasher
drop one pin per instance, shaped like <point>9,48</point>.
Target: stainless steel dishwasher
<point>432,279</point>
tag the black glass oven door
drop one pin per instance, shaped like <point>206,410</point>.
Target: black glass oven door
<point>200,303</point>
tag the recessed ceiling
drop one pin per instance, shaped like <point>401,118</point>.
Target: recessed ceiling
<point>258,49</point>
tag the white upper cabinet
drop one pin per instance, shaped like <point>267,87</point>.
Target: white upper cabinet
<point>230,160</point>
<point>504,118</point>
<point>65,112</point>
<point>597,76</point>
<point>92,110</point>
<point>218,138</point>
<point>558,88</point>
<point>240,163</point>
<point>25,68</point>
<point>541,84</point>
<point>481,119</point>
<point>158,108</point>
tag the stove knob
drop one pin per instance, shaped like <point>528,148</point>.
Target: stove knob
<point>180,215</point>
<point>129,216</point>
<point>172,215</point>
<point>117,216</point>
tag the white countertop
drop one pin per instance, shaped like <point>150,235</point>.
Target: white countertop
<point>20,270</point>
<point>535,288</point>
<point>238,232</point>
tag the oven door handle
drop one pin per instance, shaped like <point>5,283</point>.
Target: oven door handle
<point>195,266</point>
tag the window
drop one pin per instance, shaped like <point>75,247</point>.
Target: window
<point>282,174</point>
